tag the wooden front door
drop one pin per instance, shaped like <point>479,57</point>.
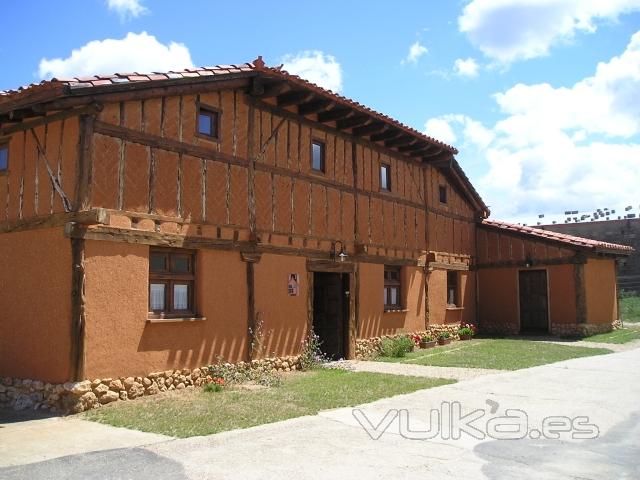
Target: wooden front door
<point>330,312</point>
<point>534,302</point>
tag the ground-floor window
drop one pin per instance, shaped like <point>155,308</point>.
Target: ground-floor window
<point>452,289</point>
<point>171,282</point>
<point>392,287</point>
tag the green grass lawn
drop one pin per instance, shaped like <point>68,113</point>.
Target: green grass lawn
<point>190,413</point>
<point>630,308</point>
<point>500,354</point>
<point>622,335</point>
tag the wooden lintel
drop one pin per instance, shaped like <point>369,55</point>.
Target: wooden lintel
<point>573,260</point>
<point>447,266</point>
<point>334,114</point>
<point>96,216</point>
<point>250,257</point>
<point>294,97</point>
<point>330,266</point>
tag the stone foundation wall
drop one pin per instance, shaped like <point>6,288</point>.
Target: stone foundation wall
<point>583,329</point>
<point>370,347</point>
<point>499,329</point>
<point>76,397</point>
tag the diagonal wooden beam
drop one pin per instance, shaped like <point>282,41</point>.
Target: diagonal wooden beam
<point>334,114</point>
<point>295,97</point>
<point>369,129</point>
<point>314,106</point>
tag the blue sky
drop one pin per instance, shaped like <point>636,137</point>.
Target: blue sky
<point>540,96</point>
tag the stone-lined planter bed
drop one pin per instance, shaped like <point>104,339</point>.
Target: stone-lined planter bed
<point>370,347</point>
<point>76,397</point>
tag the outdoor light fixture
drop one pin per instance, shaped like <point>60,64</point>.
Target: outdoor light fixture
<point>528,262</point>
<point>341,255</point>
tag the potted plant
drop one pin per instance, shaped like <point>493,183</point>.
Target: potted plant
<point>415,338</point>
<point>443,338</point>
<point>427,341</point>
<point>466,331</point>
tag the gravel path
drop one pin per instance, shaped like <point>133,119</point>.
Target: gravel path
<point>413,370</point>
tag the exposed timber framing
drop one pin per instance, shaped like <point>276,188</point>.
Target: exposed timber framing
<point>54,117</point>
<point>96,216</point>
<point>251,259</point>
<point>85,163</point>
<point>78,319</point>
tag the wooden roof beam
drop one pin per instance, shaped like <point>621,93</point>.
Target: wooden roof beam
<point>265,89</point>
<point>369,129</point>
<point>386,135</point>
<point>399,141</point>
<point>353,121</point>
<point>294,97</point>
<point>314,106</point>
<point>334,114</point>
<point>417,145</point>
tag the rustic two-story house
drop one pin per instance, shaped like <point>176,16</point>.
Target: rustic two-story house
<point>169,220</point>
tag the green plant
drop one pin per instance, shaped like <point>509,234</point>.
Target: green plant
<point>426,338</point>
<point>311,356</point>
<point>443,335</point>
<point>213,384</point>
<point>234,375</point>
<point>396,347</point>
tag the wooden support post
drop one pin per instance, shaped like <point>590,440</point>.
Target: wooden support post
<point>77,309</point>
<point>251,259</point>
<point>252,172</point>
<point>353,313</point>
<point>581,293</point>
<point>85,163</point>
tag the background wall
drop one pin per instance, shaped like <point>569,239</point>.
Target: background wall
<point>600,282</point>
<point>284,317</point>
<point>625,232</point>
<point>373,320</point>
<point>120,340</point>
<point>35,300</point>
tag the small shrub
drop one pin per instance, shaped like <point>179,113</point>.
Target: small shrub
<point>443,335</point>
<point>213,384</point>
<point>467,329</point>
<point>426,338</point>
<point>396,347</point>
<point>311,356</point>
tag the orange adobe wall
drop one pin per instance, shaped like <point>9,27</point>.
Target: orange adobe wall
<point>438,312</point>
<point>601,290</point>
<point>373,320</point>
<point>562,294</point>
<point>35,294</point>
<point>498,305</point>
<point>119,338</point>
<point>284,318</point>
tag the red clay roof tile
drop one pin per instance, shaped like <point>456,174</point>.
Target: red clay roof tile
<point>558,237</point>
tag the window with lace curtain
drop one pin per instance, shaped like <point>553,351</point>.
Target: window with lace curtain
<point>171,283</point>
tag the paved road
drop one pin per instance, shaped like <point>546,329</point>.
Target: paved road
<point>606,389</point>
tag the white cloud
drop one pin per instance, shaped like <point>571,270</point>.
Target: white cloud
<point>416,51</point>
<point>316,67</point>
<point>509,30</point>
<point>127,8</point>
<point>555,148</point>
<point>136,52</point>
<point>466,67</point>
<point>440,129</point>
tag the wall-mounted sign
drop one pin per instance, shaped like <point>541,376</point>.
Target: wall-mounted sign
<point>293,285</point>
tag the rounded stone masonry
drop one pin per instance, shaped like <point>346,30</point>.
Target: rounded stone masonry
<point>76,397</point>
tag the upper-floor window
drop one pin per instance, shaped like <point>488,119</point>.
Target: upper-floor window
<point>171,282</point>
<point>208,122</point>
<point>392,287</point>
<point>452,288</point>
<point>442,190</point>
<point>4,158</point>
<point>385,177</point>
<point>317,156</point>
